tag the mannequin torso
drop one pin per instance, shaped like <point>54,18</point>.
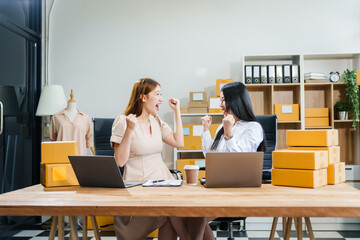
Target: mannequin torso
<point>71,110</point>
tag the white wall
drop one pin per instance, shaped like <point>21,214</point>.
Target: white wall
<point>100,47</point>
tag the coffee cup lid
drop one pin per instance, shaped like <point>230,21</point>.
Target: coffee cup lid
<point>190,167</point>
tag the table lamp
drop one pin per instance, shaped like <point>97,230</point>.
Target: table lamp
<point>52,100</point>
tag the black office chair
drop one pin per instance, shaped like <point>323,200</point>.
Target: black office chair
<point>102,135</point>
<point>269,124</point>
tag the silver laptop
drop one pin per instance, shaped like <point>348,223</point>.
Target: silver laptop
<point>227,169</point>
<point>99,171</point>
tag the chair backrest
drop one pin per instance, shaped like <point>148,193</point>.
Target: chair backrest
<point>102,134</point>
<point>269,124</point>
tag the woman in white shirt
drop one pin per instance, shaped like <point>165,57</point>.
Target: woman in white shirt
<point>240,131</point>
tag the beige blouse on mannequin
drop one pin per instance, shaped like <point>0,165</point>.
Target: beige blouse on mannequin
<point>72,125</point>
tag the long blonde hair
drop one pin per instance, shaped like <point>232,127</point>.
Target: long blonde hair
<point>141,87</point>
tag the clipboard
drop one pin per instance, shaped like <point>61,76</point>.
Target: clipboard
<point>163,183</point>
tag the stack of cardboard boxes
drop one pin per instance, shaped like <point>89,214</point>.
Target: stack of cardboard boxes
<point>311,160</point>
<point>214,102</point>
<point>316,117</point>
<point>198,102</point>
<point>55,167</point>
<point>192,141</point>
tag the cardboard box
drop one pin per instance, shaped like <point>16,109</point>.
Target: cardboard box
<point>180,164</point>
<point>214,105</point>
<point>305,159</point>
<point>183,109</point>
<point>316,122</point>
<point>316,113</point>
<point>197,97</point>
<point>220,83</point>
<point>299,178</point>
<point>192,136</point>
<point>314,138</point>
<point>358,77</point>
<point>287,112</point>
<point>58,151</point>
<point>336,173</point>
<point>198,104</point>
<point>56,175</point>
<point>197,110</point>
<point>333,152</point>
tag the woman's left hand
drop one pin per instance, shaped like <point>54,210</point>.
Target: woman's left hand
<point>174,104</point>
<point>228,123</point>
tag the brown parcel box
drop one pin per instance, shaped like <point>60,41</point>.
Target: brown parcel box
<point>333,152</point>
<point>313,138</point>
<point>293,159</point>
<point>299,178</point>
<point>336,173</point>
<point>316,122</point>
<point>192,142</point>
<point>287,112</point>
<point>56,175</point>
<point>316,113</point>
<point>58,151</point>
<point>220,83</point>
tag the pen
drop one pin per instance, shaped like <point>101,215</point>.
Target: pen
<point>156,181</point>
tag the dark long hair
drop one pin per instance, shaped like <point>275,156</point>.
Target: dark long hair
<point>237,100</point>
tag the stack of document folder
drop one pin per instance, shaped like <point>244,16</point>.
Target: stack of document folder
<point>312,77</point>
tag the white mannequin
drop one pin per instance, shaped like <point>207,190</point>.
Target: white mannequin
<point>71,109</point>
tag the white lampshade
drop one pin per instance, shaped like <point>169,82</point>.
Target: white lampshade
<point>52,100</point>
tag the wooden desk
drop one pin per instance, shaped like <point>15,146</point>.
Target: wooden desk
<point>191,201</point>
<point>185,201</point>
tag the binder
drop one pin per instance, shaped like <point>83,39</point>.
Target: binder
<point>256,74</point>
<point>279,73</point>
<point>295,73</point>
<point>271,73</point>
<point>248,74</point>
<point>287,73</point>
<point>263,74</point>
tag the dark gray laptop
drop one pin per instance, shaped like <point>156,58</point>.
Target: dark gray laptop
<point>99,171</point>
<point>228,169</point>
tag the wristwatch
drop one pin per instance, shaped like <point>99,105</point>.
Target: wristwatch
<point>227,138</point>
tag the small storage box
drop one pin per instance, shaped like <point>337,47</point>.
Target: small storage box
<point>333,152</point>
<point>299,178</point>
<point>293,159</point>
<point>56,175</point>
<point>58,151</point>
<point>314,138</point>
<point>287,112</point>
<point>336,173</point>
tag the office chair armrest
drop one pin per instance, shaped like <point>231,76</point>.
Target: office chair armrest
<point>176,173</point>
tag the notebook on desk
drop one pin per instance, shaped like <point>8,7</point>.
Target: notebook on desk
<point>228,169</point>
<point>99,171</point>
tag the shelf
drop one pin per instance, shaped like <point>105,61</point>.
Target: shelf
<point>289,121</point>
<point>329,127</point>
<point>271,84</point>
<point>200,114</point>
<point>193,151</point>
<point>330,56</point>
<point>345,121</point>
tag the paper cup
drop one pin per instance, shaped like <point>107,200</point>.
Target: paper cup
<point>191,174</point>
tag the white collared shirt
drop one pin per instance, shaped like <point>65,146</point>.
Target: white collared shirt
<point>247,137</point>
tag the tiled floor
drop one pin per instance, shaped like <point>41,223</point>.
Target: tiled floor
<point>25,232</point>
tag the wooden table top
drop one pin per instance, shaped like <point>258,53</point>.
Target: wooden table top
<point>193,201</point>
